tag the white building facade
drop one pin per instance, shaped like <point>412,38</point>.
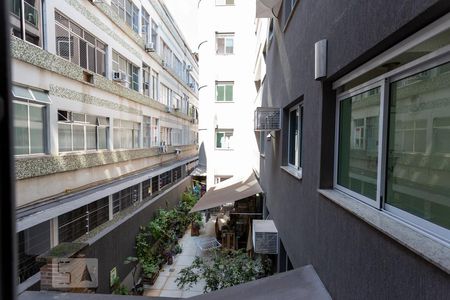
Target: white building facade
<point>226,51</point>
<point>105,115</point>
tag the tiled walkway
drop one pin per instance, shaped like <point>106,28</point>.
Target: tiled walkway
<point>165,285</point>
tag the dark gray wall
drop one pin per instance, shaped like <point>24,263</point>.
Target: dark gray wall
<point>112,249</point>
<point>354,260</point>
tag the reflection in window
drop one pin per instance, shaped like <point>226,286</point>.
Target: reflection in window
<point>31,243</point>
<point>33,20</point>
<point>358,142</point>
<point>419,145</point>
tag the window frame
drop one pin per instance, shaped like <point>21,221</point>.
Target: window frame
<point>97,49</point>
<point>224,84</point>
<point>381,140</point>
<point>85,124</point>
<point>224,36</point>
<point>224,131</point>
<point>23,23</point>
<point>426,62</point>
<point>299,141</point>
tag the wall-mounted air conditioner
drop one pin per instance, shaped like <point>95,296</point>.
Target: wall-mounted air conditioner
<point>189,68</point>
<point>265,237</point>
<point>267,119</point>
<point>165,65</point>
<point>146,85</point>
<point>191,85</point>
<point>169,109</point>
<point>119,76</point>
<point>150,47</point>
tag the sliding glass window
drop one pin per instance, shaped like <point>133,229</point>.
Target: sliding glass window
<point>393,143</point>
<point>358,140</point>
<point>418,156</point>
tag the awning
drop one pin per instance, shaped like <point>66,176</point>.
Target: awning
<point>228,191</point>
<point>267,8</point>
<point>199,171</point>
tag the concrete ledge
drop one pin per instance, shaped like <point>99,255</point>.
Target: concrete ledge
<point>420,242</point>
<point>33,166</point>
<point>291,171</point>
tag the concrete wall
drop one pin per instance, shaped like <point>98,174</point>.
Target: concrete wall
<point>354,260</point>
<point>112,249</point>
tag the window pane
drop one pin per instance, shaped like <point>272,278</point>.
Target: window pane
<point>220,45</point>
<point>229,92</point>
<point>31,243</point>
<point>37,129</point>
<point>358,142</point>
<point>21,141</point>
<point>62,42</point>
<point>219,139</point>
<point>91,58</point>
<point>419,146</point>
<point>78,137</point>
<point>220,93</point>
<point>102,138</point>
<point>64,137</point>
<point>229,46</point>
<point>293,138</point>
<point>91,139</point>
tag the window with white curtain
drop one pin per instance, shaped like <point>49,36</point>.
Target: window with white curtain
<point>126,134</point>
<point>82,132</point>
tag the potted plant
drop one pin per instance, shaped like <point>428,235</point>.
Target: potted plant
<point>150,271</point>
<point>168,256</point>
<point>177,249</point>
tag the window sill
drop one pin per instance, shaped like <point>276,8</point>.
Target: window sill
<point>223,149</point>
<point>292,171</point>
<point>423,244</point>
<point>223,101</point>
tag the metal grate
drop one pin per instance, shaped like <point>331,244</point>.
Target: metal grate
<point>267,119</point>
<point>266,242</point>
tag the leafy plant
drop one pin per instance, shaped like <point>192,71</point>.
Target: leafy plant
<point>119,289</point>
<point>225,269</point>
<point>150,267</point>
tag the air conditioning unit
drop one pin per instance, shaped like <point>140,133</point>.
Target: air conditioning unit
<point>265,237</point>
<point>189,68</point>
<point>119,76</point>
<point>191,85</point>
<point>169,109</point>
<point>150,47</point>
<point>177,151</point>
<point>165,65</point>
<point>267,119</point>
<point>146,85</point>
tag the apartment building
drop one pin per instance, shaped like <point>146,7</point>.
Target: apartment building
<point>354,164</point>
<point>105,125</point>
<point>226,47</point>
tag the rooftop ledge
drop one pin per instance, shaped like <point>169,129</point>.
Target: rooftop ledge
<point>423,244</point>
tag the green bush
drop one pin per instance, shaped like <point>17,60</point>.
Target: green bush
<point>226,268</point>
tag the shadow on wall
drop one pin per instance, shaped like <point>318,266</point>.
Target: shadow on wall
<point>202,160</point>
